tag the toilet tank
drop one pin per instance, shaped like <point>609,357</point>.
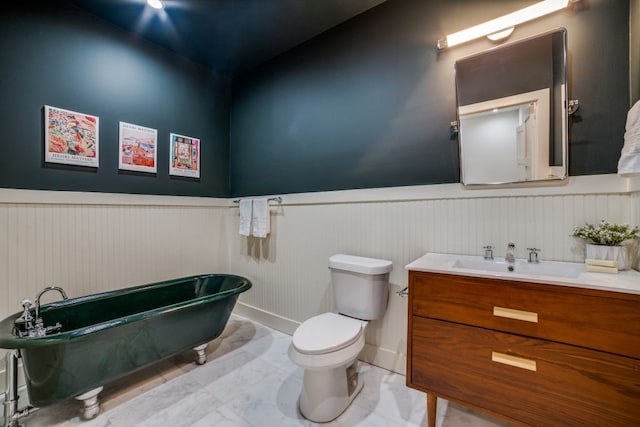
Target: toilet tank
<point>360,285</point>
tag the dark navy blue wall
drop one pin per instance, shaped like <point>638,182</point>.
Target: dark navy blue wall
<point>368,104</point>
<point>58,55</point>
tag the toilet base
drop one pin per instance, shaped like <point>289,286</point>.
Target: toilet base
<point>327,393</point>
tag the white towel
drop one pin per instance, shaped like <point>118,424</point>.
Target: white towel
<point>246,208</point>
<point>260,226</point>
<point>629,163</point>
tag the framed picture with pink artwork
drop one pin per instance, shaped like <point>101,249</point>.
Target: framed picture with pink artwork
<point>138,148</point>
<point>184,156</point>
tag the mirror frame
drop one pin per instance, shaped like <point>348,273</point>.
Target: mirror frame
<point>561,128</point>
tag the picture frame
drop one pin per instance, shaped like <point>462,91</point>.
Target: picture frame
<point>70,137</point>
<point>184,156</point>
<point>137,148</point>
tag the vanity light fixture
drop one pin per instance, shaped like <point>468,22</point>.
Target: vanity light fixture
<point>501,35</point>
<point>156,4</point>
<point>502,27</point>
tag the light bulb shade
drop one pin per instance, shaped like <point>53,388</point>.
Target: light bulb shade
<point>501,35</point>
<point>504,22</point>
<point>156,4</point>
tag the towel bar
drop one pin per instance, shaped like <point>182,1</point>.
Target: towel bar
<point>270,199</point>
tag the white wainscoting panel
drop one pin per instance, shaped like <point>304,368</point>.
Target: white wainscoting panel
<point>95,243</point>
<point>94,248</point>
<point>290,273</point>
<point>635,208</point>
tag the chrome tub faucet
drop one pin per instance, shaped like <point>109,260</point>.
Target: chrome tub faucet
<point>29,326</point>
<point>44,291</point>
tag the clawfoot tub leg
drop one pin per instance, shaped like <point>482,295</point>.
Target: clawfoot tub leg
<point>201,357</point>
<point>91,403</point>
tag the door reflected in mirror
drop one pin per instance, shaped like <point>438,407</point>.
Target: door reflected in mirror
<point>512,112</point>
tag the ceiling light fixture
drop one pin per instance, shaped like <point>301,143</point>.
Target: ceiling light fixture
<point>502,27</point>
<point>156,4</point>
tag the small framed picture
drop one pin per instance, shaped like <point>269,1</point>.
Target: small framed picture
<point>138,148</point>
<point>70,137</point>
<point>184,156</point>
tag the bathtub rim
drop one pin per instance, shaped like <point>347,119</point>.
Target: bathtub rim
<point>9,341</point>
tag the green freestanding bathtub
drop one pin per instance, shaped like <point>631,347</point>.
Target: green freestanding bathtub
<point>108,335</point>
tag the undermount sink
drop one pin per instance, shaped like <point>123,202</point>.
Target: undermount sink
<point>544,268</point>
<point>547,272</point>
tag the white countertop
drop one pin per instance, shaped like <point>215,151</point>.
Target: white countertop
<point>627,281</point>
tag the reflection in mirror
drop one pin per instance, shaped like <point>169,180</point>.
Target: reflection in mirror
<point>511,112</point>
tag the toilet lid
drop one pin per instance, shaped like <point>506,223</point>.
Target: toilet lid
<point>326,333</point>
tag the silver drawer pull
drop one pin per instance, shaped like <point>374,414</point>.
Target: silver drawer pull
<point>518,362</point>
<point>509,313</point>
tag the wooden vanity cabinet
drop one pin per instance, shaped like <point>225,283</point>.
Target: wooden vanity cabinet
<point>529,353</point>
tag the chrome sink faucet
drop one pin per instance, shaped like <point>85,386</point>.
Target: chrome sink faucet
<point>533,255</point>
<point>510,256</point>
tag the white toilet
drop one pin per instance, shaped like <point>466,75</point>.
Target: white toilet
<point>327,345</point>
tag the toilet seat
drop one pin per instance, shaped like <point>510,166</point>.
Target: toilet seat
<point>326,333</point>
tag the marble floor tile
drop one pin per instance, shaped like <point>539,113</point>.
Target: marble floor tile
<point>459,416</point>
<point>248,381</point>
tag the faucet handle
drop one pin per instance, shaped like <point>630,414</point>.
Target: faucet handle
<point>26,315</point>
<point>533,255</point>
<point>488,252</point>
<point>23,323</point>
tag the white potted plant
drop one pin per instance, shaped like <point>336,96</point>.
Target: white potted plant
<point>604,241</point>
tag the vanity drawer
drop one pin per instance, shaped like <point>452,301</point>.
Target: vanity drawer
<point>530,380</point>
<point>601,320</point>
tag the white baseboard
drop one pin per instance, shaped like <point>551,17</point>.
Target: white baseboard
<point>382,357</point>
<point>266,318</point>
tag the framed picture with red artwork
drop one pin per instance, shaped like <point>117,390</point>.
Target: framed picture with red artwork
<point>70,137</point>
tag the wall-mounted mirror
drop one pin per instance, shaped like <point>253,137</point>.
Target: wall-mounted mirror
<point>512,112</point>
